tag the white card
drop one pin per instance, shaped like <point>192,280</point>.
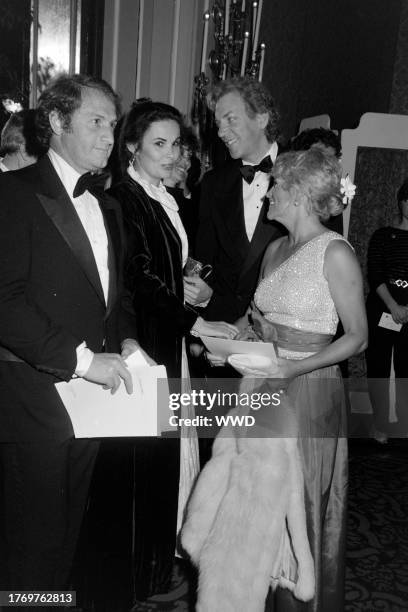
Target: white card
<point>95,413</point>
<point>388,322</point>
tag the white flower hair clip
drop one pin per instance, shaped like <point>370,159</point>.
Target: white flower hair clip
<point>11,106</point>
<point>347,189</point>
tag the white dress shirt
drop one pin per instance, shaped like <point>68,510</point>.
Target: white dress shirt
<point>254,193</point>
<point>90,215</point>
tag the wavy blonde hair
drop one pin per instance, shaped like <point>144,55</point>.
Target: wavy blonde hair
<point>316,175</point>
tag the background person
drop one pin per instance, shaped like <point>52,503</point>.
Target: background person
<point>182,184</point>
<point>321,138</point>
<point>20,146</point>
<point>387,266</point>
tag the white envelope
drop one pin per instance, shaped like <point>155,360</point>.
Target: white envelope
<point>388,322</point>
<point>225,348</point>
<point>96,413</point>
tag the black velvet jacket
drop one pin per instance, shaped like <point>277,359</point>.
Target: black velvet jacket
<point>154,275</point>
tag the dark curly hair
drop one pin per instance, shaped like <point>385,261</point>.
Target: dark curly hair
<point>402,196</point>
<point>256,97</point>
<point>64,95</point>
<point>19,130</point>
<point>137,121</point>
<point>307,138</point>
<point>188,139</point>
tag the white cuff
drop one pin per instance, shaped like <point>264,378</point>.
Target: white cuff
<point>84,359</point>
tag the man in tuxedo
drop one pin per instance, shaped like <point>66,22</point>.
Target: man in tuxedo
<point>60,317</point>
<point>233,231</point>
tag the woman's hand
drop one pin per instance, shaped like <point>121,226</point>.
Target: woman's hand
<point>288,368</point>
<point>196,290</point>
<point>216,329</point>
<point>215,360</point>
<point>262,327</point>
<point>243,322</point>
<point>282,369</point>
<point>399,313</point>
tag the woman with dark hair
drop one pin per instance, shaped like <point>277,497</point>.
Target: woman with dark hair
<point>149,146</point>
<point>183,181</point>
<point>320,138</point>
<point>388,280</point>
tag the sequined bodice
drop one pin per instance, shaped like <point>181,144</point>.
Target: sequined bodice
<point>297,294</point>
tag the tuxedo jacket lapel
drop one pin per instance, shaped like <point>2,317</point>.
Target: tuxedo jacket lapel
<point>260,238</point>
<point>114,246</point>
<point>231,209</point>
<point>62,213</point>
<point>265,232</point>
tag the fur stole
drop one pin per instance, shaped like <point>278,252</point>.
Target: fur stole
<point>246,524</point>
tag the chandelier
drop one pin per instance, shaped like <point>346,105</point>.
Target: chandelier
<point>236,52</point>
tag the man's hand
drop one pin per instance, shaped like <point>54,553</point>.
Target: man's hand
<point>108,369</point>
<point>130,346</point>
<point>196,291</point>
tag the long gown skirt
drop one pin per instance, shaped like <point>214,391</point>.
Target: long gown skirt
<point>320,406</point>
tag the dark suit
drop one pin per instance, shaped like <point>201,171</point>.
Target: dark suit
<point>51,300</point>
<point>222,242</point>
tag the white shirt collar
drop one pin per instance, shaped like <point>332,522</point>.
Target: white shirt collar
<point>273,153</point>
<point>157,192</point>
<point>68,175</point>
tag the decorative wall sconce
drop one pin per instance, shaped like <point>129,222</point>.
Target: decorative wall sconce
<point>236,52</point>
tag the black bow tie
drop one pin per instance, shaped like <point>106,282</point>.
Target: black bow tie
<point>248,172</point>
<point>94,183</point>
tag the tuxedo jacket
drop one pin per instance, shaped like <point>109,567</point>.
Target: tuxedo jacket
<point>222,242</point>
<point>51,299</point>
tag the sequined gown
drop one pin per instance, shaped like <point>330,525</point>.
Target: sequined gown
<point>295,297</point>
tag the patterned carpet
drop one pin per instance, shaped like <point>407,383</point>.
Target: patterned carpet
<point>377,548</point>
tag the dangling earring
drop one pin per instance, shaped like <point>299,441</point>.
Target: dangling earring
<point>295,203</point>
